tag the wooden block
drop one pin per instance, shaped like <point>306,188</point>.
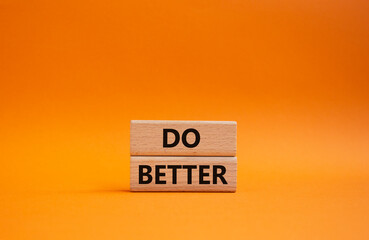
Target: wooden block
<point>184,138</point>
<point>210,174</point>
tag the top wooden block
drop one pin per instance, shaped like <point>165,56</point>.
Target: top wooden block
<point>184,138</point>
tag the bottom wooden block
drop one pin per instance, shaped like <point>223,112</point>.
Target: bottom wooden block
<point>211,174</point>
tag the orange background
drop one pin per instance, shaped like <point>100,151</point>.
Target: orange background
<point>293,74</point>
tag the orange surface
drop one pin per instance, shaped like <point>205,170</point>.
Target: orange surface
<point>293,74</point>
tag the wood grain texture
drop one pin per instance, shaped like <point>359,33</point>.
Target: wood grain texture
<point>212,166</point>
<point>217,138</point>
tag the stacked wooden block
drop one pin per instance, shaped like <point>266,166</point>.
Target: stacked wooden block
<point>183,156</point>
